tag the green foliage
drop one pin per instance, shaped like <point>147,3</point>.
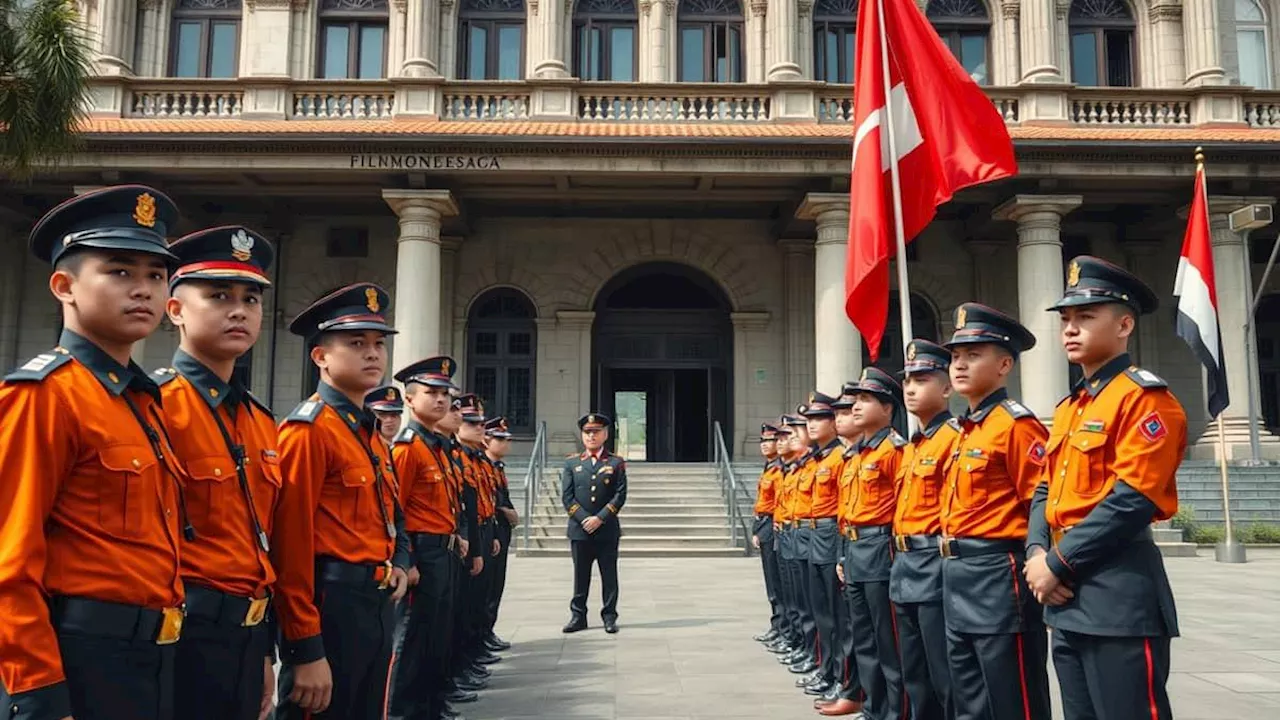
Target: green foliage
<point>45,65</point>
<point>1194,531</point>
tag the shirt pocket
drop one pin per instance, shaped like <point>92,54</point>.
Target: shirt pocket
<point>352,505</point>
<point>924,484</point>
<point>124,490</point>
<point>1089,457</point>
<point>209,479</point>
<point>873,489</point>
<point>971,489</point>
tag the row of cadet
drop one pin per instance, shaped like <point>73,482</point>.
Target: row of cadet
<point>164,544</point>
<point>914,577</point>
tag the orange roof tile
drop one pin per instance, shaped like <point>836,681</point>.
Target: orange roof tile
<point>528,128</point>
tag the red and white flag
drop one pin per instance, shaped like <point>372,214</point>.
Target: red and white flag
<point>947,134</point>
<point>1197,294</point>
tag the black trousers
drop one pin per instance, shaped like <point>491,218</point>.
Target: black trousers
<point>604,553</point>
<point>825,601</point>
<point>117,679</point>
<point>1112,678</point>
<point>804,610</point>
<point>218,670</point>
<point>786,600</point>
<point>1000,677</point>
<point>922,647</point>
<point>497,584</point>
<point>772,586</point>
<point>458,660</point>
<point>875,648</point>
<point>475,611</point>
<point>357,624</point>
<point>421,678</point>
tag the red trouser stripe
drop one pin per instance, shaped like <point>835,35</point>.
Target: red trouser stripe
<point>1022,663</point>
<point>1151,682</point>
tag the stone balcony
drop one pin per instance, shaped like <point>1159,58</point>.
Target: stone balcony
<point>682,103</point>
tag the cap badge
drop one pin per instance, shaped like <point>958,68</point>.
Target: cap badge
<point>812,397</point>
<point>444,366</point>
<point>144,212</point>
<point>371,300</point>
<point>1073,274</point>
<point>591,418</point>
<point>241,245</point>
<point>391,394</point>
<point>864,375</point>
<point>961,315</point>
<point>911,352</point>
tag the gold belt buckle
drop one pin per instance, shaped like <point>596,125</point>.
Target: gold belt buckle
<point>256,613</point>
<point>944,546</point>
<point>385,582</point>
<point>900,541</point>
<point>170,625</point>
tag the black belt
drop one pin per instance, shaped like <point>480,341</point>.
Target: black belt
<point>341,571</point>
<point>432,540</point>
<point>815,523</point>
<point>862,532</point>
<point>223,609</point>
<point>972,547</point>
<point>102,618</point>
<point>910,543</point>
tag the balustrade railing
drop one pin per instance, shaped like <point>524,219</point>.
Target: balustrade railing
<point>486,101</point>
<point>185,100</point>
<point>360,101</point>
<point>686,103</point>
<point>1130,107</point>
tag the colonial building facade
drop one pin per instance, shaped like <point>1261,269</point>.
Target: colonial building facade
<point>581,200</point>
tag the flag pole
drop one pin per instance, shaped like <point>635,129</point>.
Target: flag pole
<point>895,182</point>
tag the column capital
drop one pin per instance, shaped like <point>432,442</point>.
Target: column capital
<point>1019,207</point>
<point>827,210</point>
<point>575,319</point>
<point>1222,205</point>
<point>441,201</point>
<point>796,246</point>
<point>758,320</point>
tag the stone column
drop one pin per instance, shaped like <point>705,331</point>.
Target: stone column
<point>448,281</point>
<point>804,40</point>
<point>573,323</point>
<point>1039,42</point>
<point>797,316</point>
<point>782,41</point>
<point>1043,369</point>
<point>417,294</point>
<point>1141,258</point>
<point>744,324</point>
<point>837,346</point>
<point>550,20</point>
<point>1009,65</point>
<point>987,273</point>
<point>1203,49</point>
<point>656,55</point>
<point>1167,56</point>
<point>266,54</point>
<point>115,27</point>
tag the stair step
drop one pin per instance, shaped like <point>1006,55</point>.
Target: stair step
<point>634,529</point>
<point>644,551</point>
<point>714,540</point>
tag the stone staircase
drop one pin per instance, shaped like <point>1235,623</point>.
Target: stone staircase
<point>1255,493</point>
<point>672,510</point>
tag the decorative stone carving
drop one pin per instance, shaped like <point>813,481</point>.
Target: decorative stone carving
<point>1165,12</point>
<point>147,5</point>
<point>805,8</point>
<point>1010,10</point>
<point>400,6</point>
<point>758,8</point>
<point>669,7</point>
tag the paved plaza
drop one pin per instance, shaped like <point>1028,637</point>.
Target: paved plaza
<point>685,648</point>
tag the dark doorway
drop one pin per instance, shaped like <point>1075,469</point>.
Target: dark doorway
<point>662,352</point>
<point>1267,317</point>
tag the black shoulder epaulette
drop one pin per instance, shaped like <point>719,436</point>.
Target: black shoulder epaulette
<point>955,424</point>
<point>164,375</point>
<point>897,440</point>
<point>1145,378</point>
<point>306,412</point>
<point>404,437</point>
<point>257,402</point>
<point>1017,409</point>
<point>39,367</point>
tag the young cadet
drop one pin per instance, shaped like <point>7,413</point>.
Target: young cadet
<point>915,582</point>
<point>805,659</point>
<point>432,504</point>
<point>89,537</point>
<point>226,438</point>
<point>792,639</point>
<point>387,405</point>
<point>869,497</point>
<point>996,643</point>
<point>824,539</point>
<point>497,444</point>
<point>762,533</point>
<point>340,556</point>
<point>1116,444</point>
<point>593,489</point>
<point>478,469</point>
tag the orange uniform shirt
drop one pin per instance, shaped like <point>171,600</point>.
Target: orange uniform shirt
<point>427,493</point>
<point>89,509</point>
<point>995,466</point>
<point>1127,427</point>
<point>785,493</point>
<point>227,554</point>
<point>802,499</point>
<point>924,463</point>
<point>477,475</point>
<point>868,485</point>
<point>334,503</point>
<point>825,495</point>
<point>767,488</point>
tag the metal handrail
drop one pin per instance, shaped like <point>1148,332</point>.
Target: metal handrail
<point>729,486</point>
<point>533,478</point>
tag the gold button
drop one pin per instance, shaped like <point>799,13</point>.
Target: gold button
<point>1080,411</point>
<point>113,377</point>
<point>1084,444</point>
<point>213,392</point>
<point>217,472</point>
<point>968,466</point>
<point>1064,473</point>
<point>351,418</point>
<point>593,488</point>
<point>364,479</point>
<point>1055,502</point>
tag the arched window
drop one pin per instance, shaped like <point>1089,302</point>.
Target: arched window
<point>924,324</point>
<point>604,40</point>
<point>710,41</point>
<point>353,39</point>
<point>1251,42</point>
<point>833,40</point>
<point>206,39</point>
<point>965,26</point>
<point>1101,43</point>
<point>501,351</point>
<point>491,40</point>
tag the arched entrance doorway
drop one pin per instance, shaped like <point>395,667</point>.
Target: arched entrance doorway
<point>1267,318</point>
<point>662,350</point>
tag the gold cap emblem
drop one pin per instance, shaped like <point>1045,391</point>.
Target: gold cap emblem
<point>961,315</point>
<point>371,300</point>
<point>591,418</point>
<point>863,378</point>
<point>1073,274</point>
<point>241,245</point>
<point>391,394</point>
<point>911,352</point>
<point>144,213</point>
<point>444,366</point>
<point>812,397</point>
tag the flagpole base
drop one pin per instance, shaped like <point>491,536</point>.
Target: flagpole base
<point>1229,552</point>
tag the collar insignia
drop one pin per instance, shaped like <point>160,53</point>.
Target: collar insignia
<point>241,245</point>
<point>144,213</point>
<point>371,300</point>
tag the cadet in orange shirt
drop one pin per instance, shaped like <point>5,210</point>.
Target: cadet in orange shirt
<point>339,554</point>
<point>762,534</point>
<point>868,500</point>
<point>784,544</point>
<point>497,443</point>
<point>226,438</point>
<point>1116,444</point>
<point>996,645</point>
<point>800,483</point>
<point>92,507</point>
<point>827,460</point>
<point>387,405</point>
<point>915,582</point>
<point>478,467</point>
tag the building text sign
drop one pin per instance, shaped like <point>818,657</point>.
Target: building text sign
<point>424,161</point>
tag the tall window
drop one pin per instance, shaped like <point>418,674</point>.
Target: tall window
<point>501,350</point>
<point>491,39</point>
<point>965,27</point>
<point>206,39</point>
<point>1251,42</point>
<point>604,40</point>
<point>353,39</point>
<point>924,324</point>
<point>1102,33</point>
<point>833,40</point>
<point>710,41</point>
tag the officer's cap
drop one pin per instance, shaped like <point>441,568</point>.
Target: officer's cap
<point>132,218</point>
<point>385,399</point>
<point>1093,281</point>
<point>472,408</point>
<point>977,323</point>
<point>794,420</point>
<point>230,253</point>
<point>820,405</point>
<point>924,356</point>
<point>355,307</point>
<point>432,372</point>
<point>768,432</point>
<point>877,382</point>
<point>594,420</point>
<point>497,428</point>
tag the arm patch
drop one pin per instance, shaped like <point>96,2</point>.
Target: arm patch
<point>1145,378</point>
<point>306,412</point>
<point>39,367</point>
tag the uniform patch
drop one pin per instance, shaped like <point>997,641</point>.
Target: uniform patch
<point>974,453</point>
<point>39,367</point>
<point>1152,427</point>
<point>1036,453</point>
<point>578,469</point>
<point>1017,409</point>
<point>38,363</point>
<point>1093,426</point>
<point>306,412</point>
<point>1145,378</point>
